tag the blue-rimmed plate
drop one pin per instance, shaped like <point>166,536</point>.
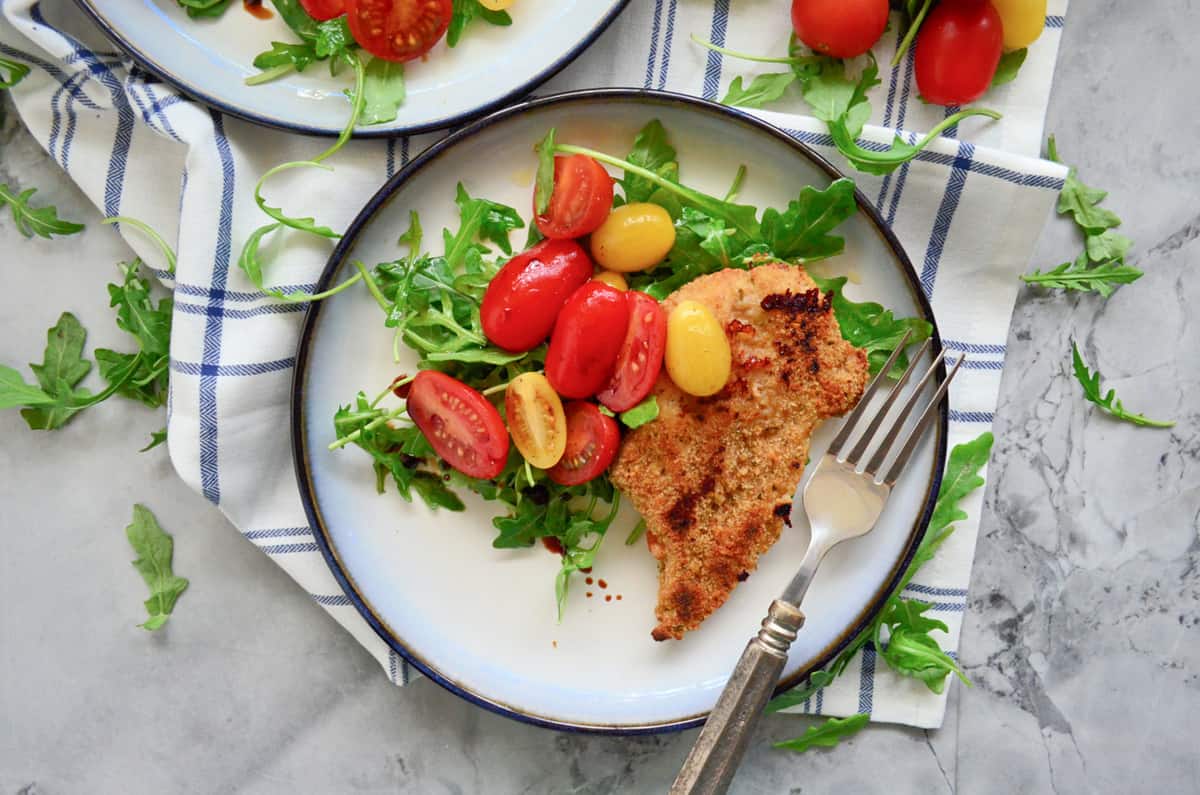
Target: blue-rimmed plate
<point>210,59</point>
<point>481,621</point>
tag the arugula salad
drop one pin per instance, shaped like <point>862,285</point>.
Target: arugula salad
<point>559,345</point>
<point>393,32</point>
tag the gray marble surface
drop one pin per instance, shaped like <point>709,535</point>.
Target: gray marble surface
<point>1083,630</point>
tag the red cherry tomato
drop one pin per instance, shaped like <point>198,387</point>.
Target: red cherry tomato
<point>641,355</point>
<point>322,10</point>
<point>523,300</point>
<point>582,197</point>
<point>958,50</point>
<point>398,30</point>
<point>463,427</point>
<point>592,441</point>
<point>587,337</point>
<point>841,28</point>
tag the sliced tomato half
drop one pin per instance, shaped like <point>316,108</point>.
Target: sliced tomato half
<point>582,198</point>
<point>592,441</point>
<point>641,356</point>
<point>463,427</point>
<point>398,30</point>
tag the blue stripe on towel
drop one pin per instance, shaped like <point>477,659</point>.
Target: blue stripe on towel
<point>712,67</point>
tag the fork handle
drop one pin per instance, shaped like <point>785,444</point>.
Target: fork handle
<point>714,759</point>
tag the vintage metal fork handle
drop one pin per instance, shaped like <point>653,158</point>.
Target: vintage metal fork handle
<point>714,759</point>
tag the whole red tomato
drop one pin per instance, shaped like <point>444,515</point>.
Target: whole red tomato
<point>587,337</point>
<point>322,10</point>
<point>523,300</point>
<point>958,50</point>
<point>841,28</point>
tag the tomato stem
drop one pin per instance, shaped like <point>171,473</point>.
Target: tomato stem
<point>301,298</point>
<point>373,286</point>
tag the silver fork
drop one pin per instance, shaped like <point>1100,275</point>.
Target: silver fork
<point>844,499</point>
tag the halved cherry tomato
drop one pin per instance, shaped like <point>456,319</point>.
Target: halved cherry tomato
<point>523,300</point>
<point>535,419</point>
<point>322,10</point>
<point>587,337</point>
<point>841,28</point>
<point>958,49</point>
<point>641,355</point>
<point>592,441</point>
<point>582,197</point>
<point>463,427</point>
<point>398,30</point>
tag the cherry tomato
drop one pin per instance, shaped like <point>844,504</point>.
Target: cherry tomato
<point>583,194</point>
<point>322,10</point>
<point>958,49</point>
<point>612,279</point>
<point>535,419</point>
<point>496,5</point>
<point>841,28</point>
<point>641,355</point>
<point>398,30</point>
<point>634,237</point>
<point>523,300</point>
<point>587,337</point>
<point>1023,21</point>
<point>698,358</point>
<point>592,441</point>
<point>463,427</point>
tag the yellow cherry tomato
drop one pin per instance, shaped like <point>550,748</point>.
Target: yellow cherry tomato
<point>496,5</point>
<point>1023,21</point>
<point>634,237</point>
<point>535,419</point>
<point>698,357</point>
<point>612,279</point>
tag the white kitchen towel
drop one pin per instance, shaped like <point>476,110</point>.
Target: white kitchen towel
<point>968,215</point>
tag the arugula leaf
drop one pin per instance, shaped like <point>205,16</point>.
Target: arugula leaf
<point>198,9</point>
<point>911,652</point>
<point>30,221</point>
<point>1081,202</point>
<point>764,88</point>
<point>156,438</point>
<point>383,91</point>
<point>1009,66</point>
<point>871,327</point>
<point>652,152</point>
<point>803,231</point>
<point>1108,245</point>
<point>297,56</point>
<point>834,97</point>
<point>14,392</point>
<point>138,315</point>
<point>61,370</point>
<point>465,11</point>
<point>642,413</point>
<point>296,18</point>
<point>1077,276</point>
<point>487,219</point>
<point>1108,402</point>
<point>900,152</point>
<point>827,734</point>
<point>544,184</point>
<point>12,72</point>
<point>333,38</point>
<point>155,549</point>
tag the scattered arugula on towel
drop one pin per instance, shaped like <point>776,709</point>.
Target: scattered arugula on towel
<point>56,397</point>
<point>12,72</point>
<point>1103,245</point>
<point>30,221</point>
<point>154,549</point>
<point>906,646</point>
<point>838,99</point>
<point>827,734</point>
<point>1107,401</point>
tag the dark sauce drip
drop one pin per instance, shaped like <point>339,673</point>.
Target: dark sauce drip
<point>256,10</point>
<point>553,544</point>
<point>602,584</point>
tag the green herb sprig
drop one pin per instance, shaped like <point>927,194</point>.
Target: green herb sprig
<point>155,550</point>
<point>1107,401</point>
<point>30,221</point>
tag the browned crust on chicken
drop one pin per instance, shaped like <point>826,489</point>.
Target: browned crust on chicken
<point>714,477</point>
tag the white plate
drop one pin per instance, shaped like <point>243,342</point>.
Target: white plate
<point>210,58</point>
<point>481,621</point>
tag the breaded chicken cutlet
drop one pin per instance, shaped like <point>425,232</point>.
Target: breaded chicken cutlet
<point>714,477</point>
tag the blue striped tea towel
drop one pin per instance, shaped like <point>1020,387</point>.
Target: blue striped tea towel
<point>968,214</point>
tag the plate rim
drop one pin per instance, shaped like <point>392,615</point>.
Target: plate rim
<point>338,259</point>
<point>188,90</point>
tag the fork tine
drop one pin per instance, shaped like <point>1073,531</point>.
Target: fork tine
<point>918,430</point>
<point>885,446</point>
<point>864,442</point>
<point>835,447</point>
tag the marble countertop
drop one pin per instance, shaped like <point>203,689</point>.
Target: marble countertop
<point>1083,627</point>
